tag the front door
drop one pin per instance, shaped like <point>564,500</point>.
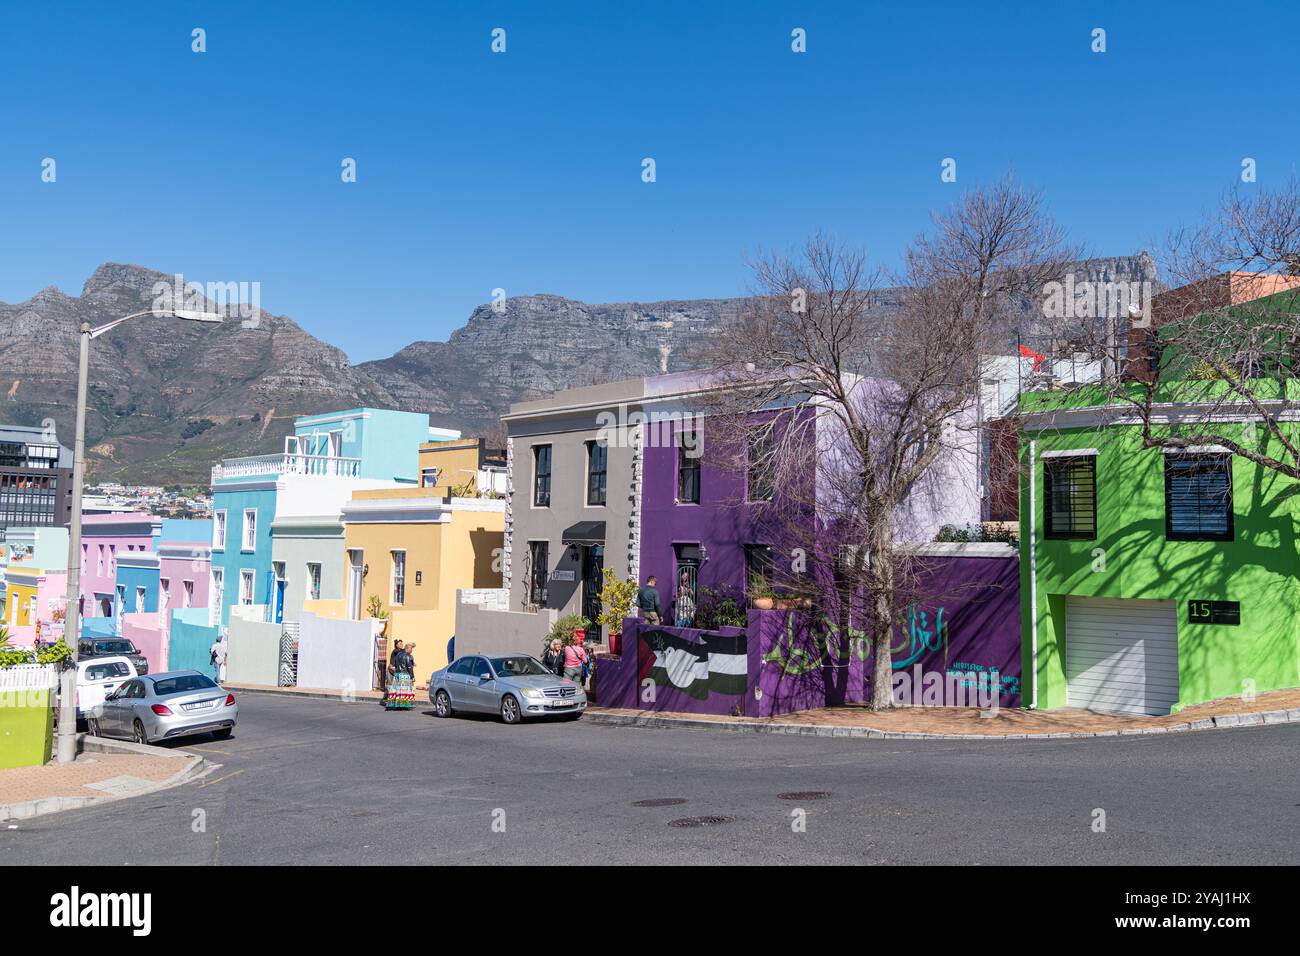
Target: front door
<point>593,579</point>
<point>279,592</point>
<point>356,562</point>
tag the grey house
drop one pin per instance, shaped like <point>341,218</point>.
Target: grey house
<point>572,509</point>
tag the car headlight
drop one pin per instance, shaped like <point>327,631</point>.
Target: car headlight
<point>532,693</point>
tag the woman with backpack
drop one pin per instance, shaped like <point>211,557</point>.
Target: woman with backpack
<point>577,662</point>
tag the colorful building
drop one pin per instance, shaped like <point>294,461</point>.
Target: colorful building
<point>103,539</point>
<point>35,601</point>
<point>1152,578</point>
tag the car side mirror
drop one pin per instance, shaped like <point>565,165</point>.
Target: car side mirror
<point>484,678</point>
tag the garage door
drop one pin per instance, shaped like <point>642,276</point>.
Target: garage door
<point>1121,655</point>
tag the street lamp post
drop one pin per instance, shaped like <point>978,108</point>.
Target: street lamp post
<point>67,745</point>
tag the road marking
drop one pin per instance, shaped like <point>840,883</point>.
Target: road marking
<point>208,783</point>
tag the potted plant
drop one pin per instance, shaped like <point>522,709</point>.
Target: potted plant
<point>616,600</point>
<point>761,595</point>
<point>375,608</point>
<point>568,627</point>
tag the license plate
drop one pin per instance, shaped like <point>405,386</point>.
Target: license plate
<point>198,705</point>
<point>562,703</point>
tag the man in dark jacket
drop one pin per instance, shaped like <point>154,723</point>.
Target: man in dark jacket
<point>647,601</point>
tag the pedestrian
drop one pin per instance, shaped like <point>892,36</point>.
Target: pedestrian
<point>553,658</point>
<point>217,659</point>
<point>401,685</point>
<point>410,659</point>
<point>576,662</point>
<point>685,606</point>
<point>647,601</point>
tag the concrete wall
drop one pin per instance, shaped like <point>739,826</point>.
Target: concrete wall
<point>335,654</point>
<point>253,654</point>
<point>149,638</point>
<point>189,641</point>
<point>480,631</point>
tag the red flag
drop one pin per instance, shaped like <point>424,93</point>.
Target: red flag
<point>1027,352</point>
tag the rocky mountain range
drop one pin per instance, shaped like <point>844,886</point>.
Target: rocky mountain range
<point>163,407</point>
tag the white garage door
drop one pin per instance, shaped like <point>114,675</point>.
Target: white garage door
<point>1121,655</point>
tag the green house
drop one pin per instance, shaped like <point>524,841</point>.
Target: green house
<point>1155,578</point>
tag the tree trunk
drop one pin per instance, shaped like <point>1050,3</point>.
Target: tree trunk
<point>881,584</point>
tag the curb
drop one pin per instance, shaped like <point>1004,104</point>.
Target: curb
<point>291,694</point>
<point>194,764</point>
<point>821,730</point>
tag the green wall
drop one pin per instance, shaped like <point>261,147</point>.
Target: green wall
<point>1258,568</point>
<point>26,728</point>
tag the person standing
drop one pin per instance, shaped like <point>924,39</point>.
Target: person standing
<point>217,659</point>
<point>553,658</point>
<point>647,601</point>
<point>685,604</point>
<point>576,662</point>
<point>401,686</point>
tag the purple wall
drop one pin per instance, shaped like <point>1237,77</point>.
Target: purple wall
<point>965,628</point>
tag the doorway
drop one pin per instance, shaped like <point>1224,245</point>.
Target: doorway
<point>593,579</point>
<point>356,570</point>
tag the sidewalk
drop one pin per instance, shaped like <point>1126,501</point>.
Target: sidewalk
<point>1277,707</point>
<point>105,770</point>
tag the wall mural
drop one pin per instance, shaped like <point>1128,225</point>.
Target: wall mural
<point>716,663</point>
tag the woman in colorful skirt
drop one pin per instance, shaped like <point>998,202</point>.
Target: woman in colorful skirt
<point>401,680</point>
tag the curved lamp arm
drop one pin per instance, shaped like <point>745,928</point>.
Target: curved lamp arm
<point>190,314</point>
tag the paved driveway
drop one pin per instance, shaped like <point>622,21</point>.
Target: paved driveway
<point>312,781</point>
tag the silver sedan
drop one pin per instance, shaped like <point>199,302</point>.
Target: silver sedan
<point>515,686</point>
<point>163,707</point>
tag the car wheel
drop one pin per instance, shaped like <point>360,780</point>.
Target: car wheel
<point>510,710</point>
<point>442,704</point>
<point>140,736</point>
<point>92,725</point>
<point>224,733</point>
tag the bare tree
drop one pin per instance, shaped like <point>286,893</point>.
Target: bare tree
<point>861,407</point>
<point>1215,366</point>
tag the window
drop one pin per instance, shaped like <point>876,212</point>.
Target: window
<point>539,558</point>
<point>597,471</point>
<point>112,559</point>
<point>250,529</point>
<point>219,530</point>
<point>481,669</point>
<point>245,586</point>
<point>121,600</point>
<point>85,556</point>
<point>542,476</point>
<point>1198,498</point>
<point>760,479</point>
<point>313,581</point>
<point>218,595</point>
<point>100,567</point>
<point>164,594</point>
<point>187,599</point>
<point>758,569</point>
<point>688,468</point>
<point>399,577</point>
<point>139,600</point>
<point>429,477</point>
<point>1070,497</point>
<point>462,666</point>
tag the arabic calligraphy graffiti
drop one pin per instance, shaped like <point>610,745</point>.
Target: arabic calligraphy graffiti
<point>826,646</point>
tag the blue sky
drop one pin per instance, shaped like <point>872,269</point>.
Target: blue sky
<point>523,170</point>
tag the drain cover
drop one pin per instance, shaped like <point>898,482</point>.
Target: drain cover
<point>660,802</point>
<point>804,795</point>
<point>699,821</point>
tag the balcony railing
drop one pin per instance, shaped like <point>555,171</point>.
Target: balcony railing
<point>289,464</point>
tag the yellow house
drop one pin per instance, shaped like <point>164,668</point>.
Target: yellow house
<point>411,549</point>
<point>462,465</point>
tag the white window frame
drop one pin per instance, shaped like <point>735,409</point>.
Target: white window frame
<point>217,597</point>
<point>313,580</point>
<point>219,530</point>
<point>139,598</point>
<point>249,575</point>
<point>397,580</point>
<point>187,593</point>
<point>164,595</point>
<point>248,530</point>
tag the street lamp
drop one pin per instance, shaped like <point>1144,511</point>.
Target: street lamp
<point>67,747</point>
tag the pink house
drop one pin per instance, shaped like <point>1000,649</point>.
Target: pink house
<point>34,603</point>
<point>184,568</point>
<point>103,538</point>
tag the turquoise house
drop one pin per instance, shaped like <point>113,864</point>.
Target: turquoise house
<point>325,458</point>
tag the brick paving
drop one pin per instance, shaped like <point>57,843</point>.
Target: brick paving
<point>21,784</point>
<point>968,720</point>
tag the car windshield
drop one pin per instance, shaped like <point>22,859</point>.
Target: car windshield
<point>115,647</point>
<point>182,683</point>
<point>519,667</point>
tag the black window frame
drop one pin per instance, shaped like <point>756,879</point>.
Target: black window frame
<point>762,478</point>
<point>538,572</point>
<point>1060,463</point>
<point>542,477</point>
<point>1222,462</point>
<point>759,555</point>
<point>688,473</point>
<point>597,479</point>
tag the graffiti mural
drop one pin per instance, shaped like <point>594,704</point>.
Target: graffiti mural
<point>713,663</point>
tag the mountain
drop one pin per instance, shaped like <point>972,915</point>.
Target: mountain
<point>166,403</point>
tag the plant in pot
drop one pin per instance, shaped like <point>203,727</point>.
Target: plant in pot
<point>375,608</point>
<point>567,628</point>
<point>616,600</point>
<point>761,595</point>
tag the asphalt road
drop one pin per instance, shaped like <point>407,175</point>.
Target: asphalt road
<point>324,782</point>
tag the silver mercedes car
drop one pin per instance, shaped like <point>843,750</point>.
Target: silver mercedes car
<point>163,707</point>
<point>515,686</point>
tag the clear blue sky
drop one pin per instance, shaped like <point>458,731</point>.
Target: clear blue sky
<point>522,170</point>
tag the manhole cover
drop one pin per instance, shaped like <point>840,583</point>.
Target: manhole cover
<point>699,821</point>
<point>804,795</point>
<point>660,802</point>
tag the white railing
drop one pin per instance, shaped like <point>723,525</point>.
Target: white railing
<point>291,464</point>
<point>28,677</point>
